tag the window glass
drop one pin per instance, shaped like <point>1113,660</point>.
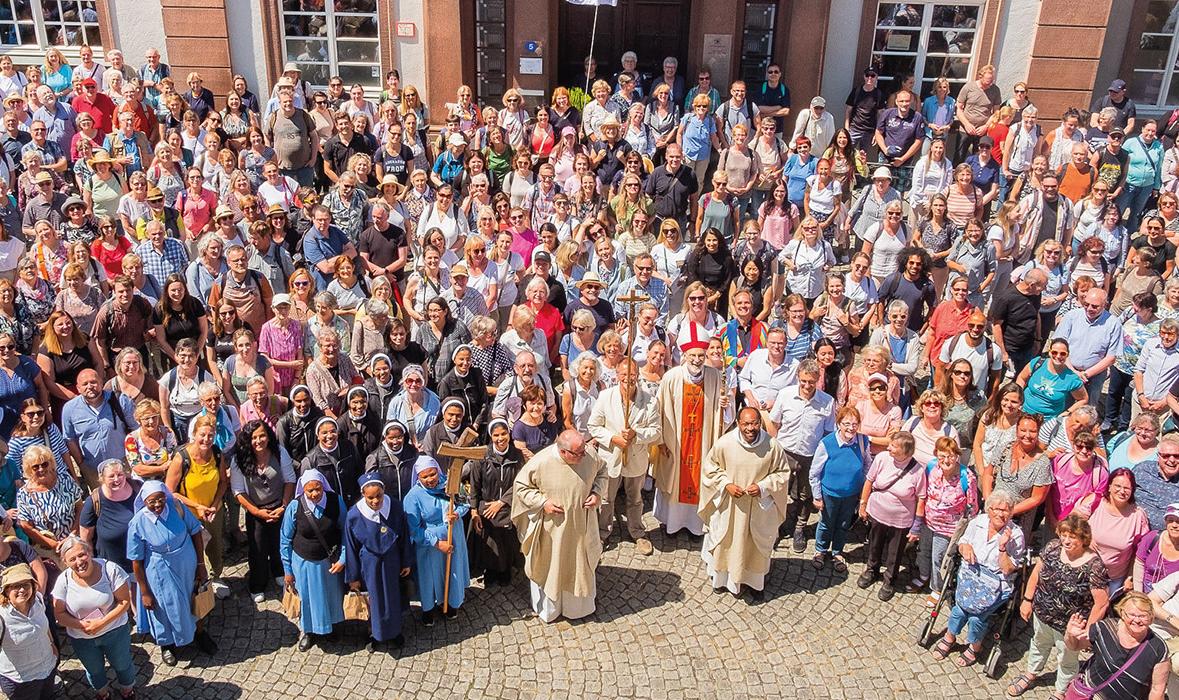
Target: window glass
<point>925,40</point>
<point>43,23</point>
<point>333,37</point>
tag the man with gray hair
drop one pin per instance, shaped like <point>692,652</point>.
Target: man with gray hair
<point>383,244</point>
<point>1158,368</point>
<point>1094,338</point>
<point>1056,434</point>
<point>507,404</point>
<point>1158,481</point>
<point>800,417</point>
<point>555,499</point>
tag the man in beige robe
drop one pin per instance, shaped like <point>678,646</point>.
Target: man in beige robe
<point>624,421</point>
<point>743,499</point>
<point>691,403</point>
<point>554,508</point>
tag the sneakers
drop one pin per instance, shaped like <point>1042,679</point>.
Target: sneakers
<point>644,547</point>
<point>867,578</point>
<point>799,545</point>
<point>220,590</point>
<point>259,598</point>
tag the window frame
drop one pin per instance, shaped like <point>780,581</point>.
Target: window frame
<point>41,29</point>
<point>1167,71</point>
<point>922,54</point>
<point>333,62</point>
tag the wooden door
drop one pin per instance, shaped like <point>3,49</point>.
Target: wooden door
<point>653,29</point>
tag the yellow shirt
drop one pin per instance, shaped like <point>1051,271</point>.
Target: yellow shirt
<point>201,481</point>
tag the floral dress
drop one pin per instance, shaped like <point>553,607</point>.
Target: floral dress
<point>20,326</point>
<point>936,239</point>
<point>1064,590</point>
<point>37,301</point>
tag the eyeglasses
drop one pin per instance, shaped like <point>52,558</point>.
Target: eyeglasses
<point>696,298</point>
<point>935,404</point>
<point>773,71</point>
<point>583,329</point>
<point>644,268</point>
<point>409,381</point>
<point>961,373</point>
<point>39,466</point>
<point>7,346</point>
<point>1169,455</point>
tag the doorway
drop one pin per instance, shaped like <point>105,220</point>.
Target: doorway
<point>653,29</point>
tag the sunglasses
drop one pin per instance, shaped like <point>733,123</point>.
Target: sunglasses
<point>961,373</point>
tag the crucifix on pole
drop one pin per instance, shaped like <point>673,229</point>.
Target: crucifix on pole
<point>459,453</point>
<point>632,300</point>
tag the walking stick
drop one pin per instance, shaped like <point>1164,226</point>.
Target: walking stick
<point>632,300</point>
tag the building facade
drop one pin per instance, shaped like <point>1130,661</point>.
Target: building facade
<point>1067,52</point>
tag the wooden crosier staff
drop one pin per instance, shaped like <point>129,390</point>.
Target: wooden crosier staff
<point>632,300</point>
<point>459,453</point>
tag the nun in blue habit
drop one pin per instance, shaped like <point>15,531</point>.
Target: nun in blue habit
<point>379,554</point>
<point>165,550</point>
<point>426,509</point>
<point>313,557</point>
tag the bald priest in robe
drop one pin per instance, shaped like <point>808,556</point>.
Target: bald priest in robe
<point>555,503</point>
<point>743,500</point>
<point>693,418</point>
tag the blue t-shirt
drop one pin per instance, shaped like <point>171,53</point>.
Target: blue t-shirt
<point>1047,393</point>
<point>698,136</point>
<point>796,172</point>
<point>317,248</point>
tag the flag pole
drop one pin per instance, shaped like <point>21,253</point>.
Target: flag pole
<point>593,35</point>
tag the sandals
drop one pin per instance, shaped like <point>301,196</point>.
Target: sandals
<point>942,649</point>
<point>1020,685</point>
<point>968,658</point>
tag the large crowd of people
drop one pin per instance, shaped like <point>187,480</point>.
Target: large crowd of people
<point>389,354</point>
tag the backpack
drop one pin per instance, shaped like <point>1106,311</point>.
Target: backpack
<point>724,111</point>
<point>963,475</point>
<point>186,464</point>
<point>990,350</point>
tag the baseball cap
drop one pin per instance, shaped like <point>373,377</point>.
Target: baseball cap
<point>1117,130</point>
<point>818,101</point>
<point>877,377</point>
<point>986,142</point>
<point>870,71</point>
<point>89,82</point>
<point>1117,85</point>
<point>456,140</point>
<point>1172,511</point>
<point>459,269</point>
<point>542,256</point>
<point>280,299</point>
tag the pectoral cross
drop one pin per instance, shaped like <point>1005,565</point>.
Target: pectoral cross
<point>631,300</point>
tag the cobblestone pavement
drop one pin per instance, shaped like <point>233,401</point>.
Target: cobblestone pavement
<point>659,632</point>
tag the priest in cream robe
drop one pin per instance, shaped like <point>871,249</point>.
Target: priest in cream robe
<point>743,500</point>
<point>691,402</point>
<point>555,510</point>
<point>625,421</point>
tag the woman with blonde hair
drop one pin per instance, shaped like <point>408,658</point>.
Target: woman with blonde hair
<point>1004,233</point>
<point>57,73</point>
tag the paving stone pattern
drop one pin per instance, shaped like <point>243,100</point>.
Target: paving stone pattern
<point>659,632</point>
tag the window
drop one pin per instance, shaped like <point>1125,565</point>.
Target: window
<point>927,41</point>
<point>1153,82</point>
<point>44,23</point>
<point>757,40</point>
<point>491,51</point>
<point>333,37</point>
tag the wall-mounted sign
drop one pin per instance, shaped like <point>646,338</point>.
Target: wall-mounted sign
<point>531,66</point>
<point>406,30</point>
<point>533,48</point>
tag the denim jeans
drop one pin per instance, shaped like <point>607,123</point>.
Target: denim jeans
<point>113,646</point>
<point>975,625</point>
<point>835,520</point>
<point>1134,198</point>
<point>930,551</point>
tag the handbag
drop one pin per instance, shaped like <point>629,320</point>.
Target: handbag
<point>292,607</point>
<point>1077,690</point>
<point>203,601</point>
<point>978,589</point>
<point>356,606</point>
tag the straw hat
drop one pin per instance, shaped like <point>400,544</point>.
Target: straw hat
<point>390,180</point>
<point>101,156</point>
